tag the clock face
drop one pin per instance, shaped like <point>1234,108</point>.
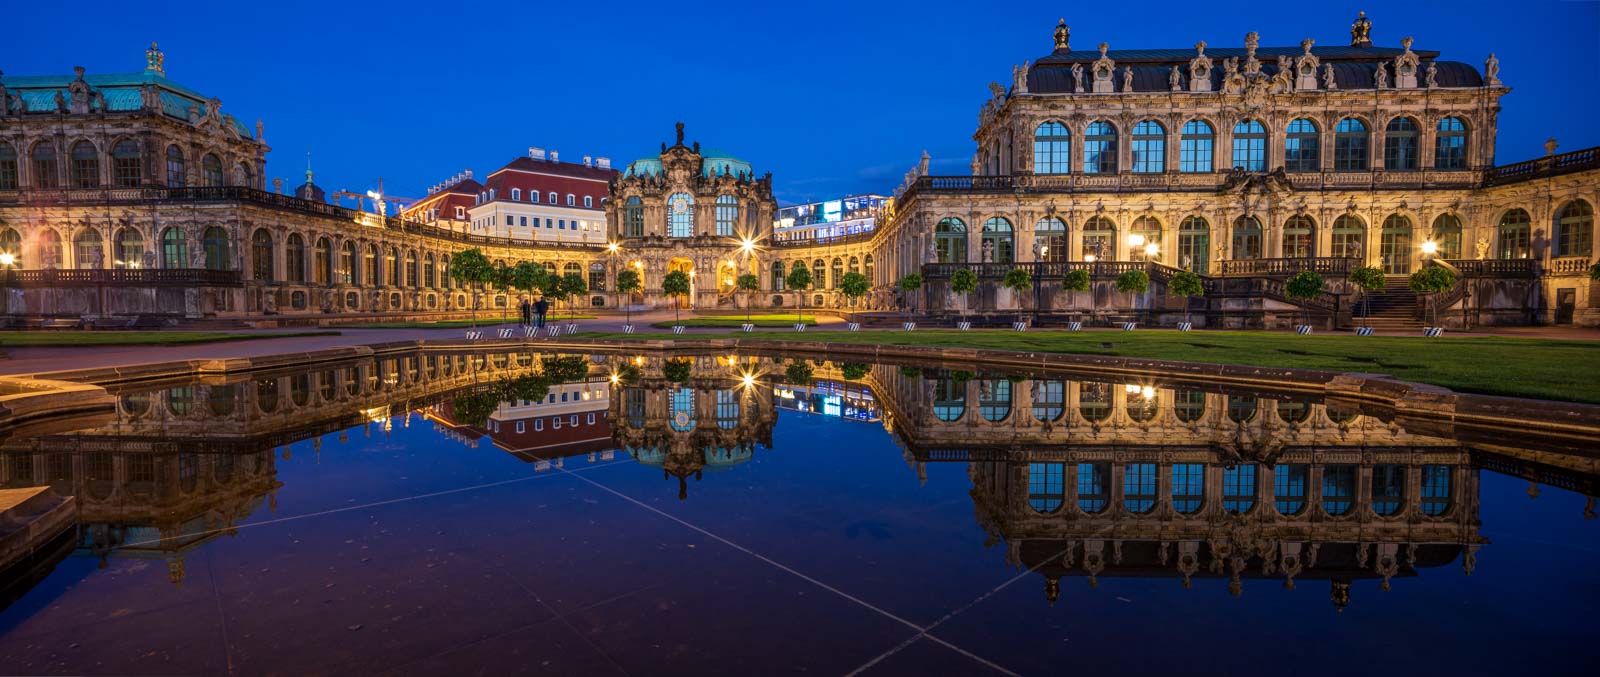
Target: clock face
<point>680,205</point>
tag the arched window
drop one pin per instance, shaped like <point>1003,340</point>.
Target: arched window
<point>11,243</point>
<point>866,262</point>
<point>999,245</point>
<point>1052,149</point>
<point>1349,237</point>
<point>369,266</point>
<point>588,201</point>
<point>1516,235</point>
<point>552,196</point>
<point>211,170</point>
<point>243,175</point>
<point>1194,244</point>
<point>1575,229</point>
<point>85,165</point>
<point>819,274</point>
<point>1094,401</point>
<point>516,194</point>
<point>1242,409</point>
<point>10,178</point>
<point>1394,245</point>
<point>633,217</point>
<point>680,215</point>
<point>294,258</point>
<point>1188,405</point>
<point>1299,237</point>
<point>549,267</point>
<point>261,256</point>
<point>347,263</point>
<point>1450,145</point>
<point>88,250</point>
<point>1046,490</point>
<point>1246,238</point>
<point>1147,230</point>
<point>127,168</point>
<point>854,265</point>
<point>1139,487</point>
<point>1188,487</point>
<point>1149,147</point>
<point>572,201</point>
<point>571,269</point>
<point>1447,234</point>
<point>950,240</point>
<point>949,400</point>
<point>1239,488</point>
<point>1350,146</point>
<point>1300,147</point>
<point>429,279</point>
<point>322,262</point>
<point>1195,147</point>
<point>50,248</point>
<point>1100,148</point>
<point>727,214</point>
<point>1250,146</point>
<point>1436,492</point>
<point>597,277</point>
<point>994,399</point>
<point>1400,145</point>
<point>1049,400</point>
<point>777,276</point>
<point>1289,483</point>
<point>445,280</point>
<point>391,264</point>
<point>411,268</point>
<point>1050,234</point>
<point>1094,482</point>
<point>176,174</point>
<point>219,251</point>
<point>1388,488</point>
<point>128,249</point>
<point>46,173</point>
<point>1099,239</point>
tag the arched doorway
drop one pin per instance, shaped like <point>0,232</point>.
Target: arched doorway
<point>687,267</point>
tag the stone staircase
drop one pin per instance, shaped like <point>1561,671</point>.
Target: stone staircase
<point>1392,311</point>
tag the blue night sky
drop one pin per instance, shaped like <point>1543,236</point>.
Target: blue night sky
<point>830,97</point>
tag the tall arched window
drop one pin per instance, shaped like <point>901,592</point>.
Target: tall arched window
<point>1400,145</point>
<point>1196,146</point>
<point>219,251</point>
<point>1194,244</point>
<point>998,241</point>
<point>633,217</point>
<point>127,168</point>
<point>46,173</point>
<point>322,262</point>
<point>10,178</point>
<point>1099,239</point>
<point>950,240</point>
<point>1447,234</point>
<point>11,243</point>
<point>1450,145</point>
<point>1299,237</point>
<point>50,248</point>
<point>1300,147</point>
<point>854,265</point>
<point>1139,487</point>
<point>88,250</point>
<point>411,268</point>
<point>1250,146</point>
<point>1049,400</point>
<point>1094,401</point>
<point>597,277</point>
<point>1246,238</point>
<point>727,214</point>
<point>391,263</point>
<point>1349,237</point>
<point>176,174</point>
<point>127,249</point>
<point>429,279</point>
<point>211,170</point>
<point>1338,489</point>
<point>243,175</point>
<point>1046,491</point>
<point>1052,149</point>
<point>1100,148</point>
<point>347,263</point>
<point>445,280</point>
<point>838,271</point>
<point>680,215</point>
<point>1145,229</point>
<point>85,165</point>
<point>777,276</point>
<point>1350,146</point>
<point>1239,488</point>
<point>1388,488</point>
<point>1188,487</point>
<point>1094,482</point>
<point>369,266</point>
<point>819,274</point>
<point>866,262</point>
<point>1289,483</point>
<point>1051,236</point>
<point>1394,245</point>
<point>261,255</point>
<point>1575,229</point>
<point>294,258</point>
<point>1149,147</point>
<point>949,400</point>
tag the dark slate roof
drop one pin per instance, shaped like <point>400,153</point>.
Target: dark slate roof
<point>1353,67</point>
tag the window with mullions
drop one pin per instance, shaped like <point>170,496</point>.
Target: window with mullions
<point>1400,145</point>
<point>949,399</point>
<point>1246,238</point>
<point>261,256</point>
<point>1239,488</point>
<point>1575,229</point>
<point>1450,144</point>
<point>174,248</point>
<point>998,242</point>
<point>1099,239</point>
<point>45,170</point>
<point>1350,146</point>
<point>85,165</point>
<point>1052,149</point>
<point>1139,487</point>
<point>1349,237</point>
<point>294,258</point>
<point>1051,236</point>
<point>633,217</point>
<point>950,240</point>
<point>1149,148</point>
<point>681,414</point>
<point>1194,244</point>
<point>1299,237</point>
<point>1300,147</point>
<point>994,399</point>
<point>127,167</point>
<point>1388,489</point>
<point>1094,401</point>
<point>1189,405</point>
<point>1250,146</point>
<point>1289,482</point>
<point>176,173</point>
<point>1094,481</point>
<point>1447,234</point>
<point>1049,400</point>
<point>727,214</point>
<point>211,170</point>
<point>1046,488</point>
<point>9,177</point>
<point>1188,487</point>
<point>1515,235</point>
<point>680,215</point>
<point>1195,147</point>
<point>1436,489</point>
<point>1100,148</point>
<point>1338,489</point>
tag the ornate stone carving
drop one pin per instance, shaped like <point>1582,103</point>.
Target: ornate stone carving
<point>1380,77</point>
<point>1327,77</point>
<point>1063,36</point>
<point>1306,67</point>
<point>1430,78</point>
<point>1019,78</point>
<point>1491,71</point>
<point>1200,69</point>
<point>1175,80</point>
<point>1077,78</point>
<point>1405,67</point>
<point>1127,78</point>
<point>1102,71</point>
<point>1361,31</point>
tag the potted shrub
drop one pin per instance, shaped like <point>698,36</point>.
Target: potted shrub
<point>1132,282</point>
<point>854,285</point>
<point>910,285</point>
<point>1075,281</point>
<point>964,282</point>
<point>798,279</point>
<point>1304,286</point>
<point>1367,280</point>
<point>749,284</point>
<point>676,286</point>
<point>1184,285</point>
<point>1018,280</point>
<point>628,284</point>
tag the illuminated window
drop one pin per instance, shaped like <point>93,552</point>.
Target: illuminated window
<point>1052,149</point>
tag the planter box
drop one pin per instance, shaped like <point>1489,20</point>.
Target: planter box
<point>747,327</point>
<point>1128,326</point>
<point>963,326</point>
<point>677,329</point>
<point>627,329</point>
<point>855,326</point>
<point>1302,329</point>
<point>474,335</point>
<point>1019,326</point>
<point>1363,331</point>
<point>908,326</point>
<point>1074,326</point>
<point>1185,326</point>
<point>800,327</point>
<point>1433,332</point>
<point>505,332</point>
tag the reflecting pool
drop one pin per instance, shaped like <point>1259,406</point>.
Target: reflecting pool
<point>465,513</point>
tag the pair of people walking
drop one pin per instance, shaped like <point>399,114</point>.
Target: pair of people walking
<point>533,313</point>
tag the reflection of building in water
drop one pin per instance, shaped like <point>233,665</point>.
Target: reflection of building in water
<point>709,421</point>
<point>569,421</point>
<point>850,401</point>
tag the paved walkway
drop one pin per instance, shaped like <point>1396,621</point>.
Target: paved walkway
<point>24,360</point>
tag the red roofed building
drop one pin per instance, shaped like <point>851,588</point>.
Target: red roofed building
<point>540,198</point>
<point>447,204</point>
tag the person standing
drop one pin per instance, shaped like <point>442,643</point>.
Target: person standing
<point>539,309</point>
<point>527,313</point>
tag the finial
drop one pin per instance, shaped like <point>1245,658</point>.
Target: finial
<point>1550,146</point>
<point>1361,31</point>
<point>79,71</point>
<point>154,60</point>
<point>1200,48</point>
<point>1063,36</point>
<point>308,165</point>
<point>680,133</point>
<point>1406,43</point>
<point>1252,40</point>
<point>1306,45</point>
<point>1103,48</point>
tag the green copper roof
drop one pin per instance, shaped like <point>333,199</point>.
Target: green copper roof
<point>121,92</point>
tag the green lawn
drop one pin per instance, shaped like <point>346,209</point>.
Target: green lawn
<point>135,338</point>
<point>733,322</point>
<point>1550,369</point>
<point>483,321</point>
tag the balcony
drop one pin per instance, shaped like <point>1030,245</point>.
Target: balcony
<point>1545,167</point>
<point>181,277</point>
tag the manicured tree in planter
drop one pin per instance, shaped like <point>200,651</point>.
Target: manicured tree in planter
<point>964,282</point>
<point>1019,281</point>
<point>854,286</point>
<point>472,268</point>
<point>748,283</point>
<point>1133,282</point>
<point>527,276</point>
<point>1432,280</point>
<point>798,279</point>
<point>1075,281</point>
<point>676,286</point>
<point>628,283</point>
<point>1304,286</point>
<point>911,284</point>
<point>1368,279</point>
<point>573,287</point>
<point>1184,285</point>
